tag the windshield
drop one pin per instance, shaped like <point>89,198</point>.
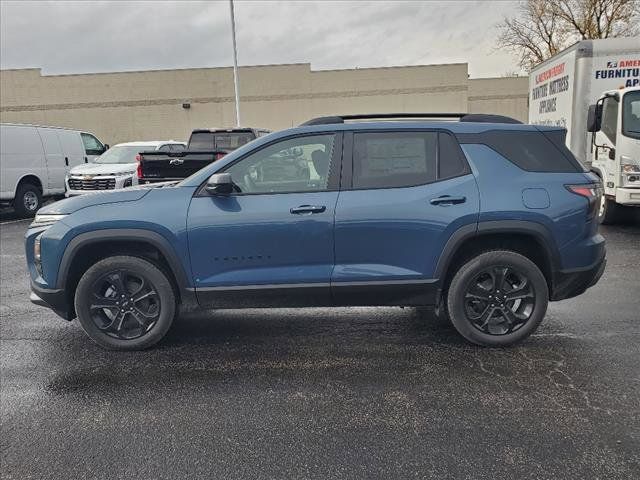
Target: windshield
<point>122,154</point>
<point>631,115</point>
<point>208,141</point>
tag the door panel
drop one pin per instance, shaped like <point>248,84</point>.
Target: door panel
<point>398,233</point>
<point>54,159</point>
<point>72,147</point>
<point>388,240</point>
<point>255,243</point>
<point>271,242</point>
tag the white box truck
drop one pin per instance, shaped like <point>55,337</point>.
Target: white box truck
<point>34,161</point>
<point>603,74</point>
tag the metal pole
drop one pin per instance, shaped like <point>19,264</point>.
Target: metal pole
<point>235,63</point>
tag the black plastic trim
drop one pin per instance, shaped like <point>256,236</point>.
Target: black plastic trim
<point>153,238</point>
<point>55,299</point>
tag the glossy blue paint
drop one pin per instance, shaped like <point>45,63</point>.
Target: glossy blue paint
<point>255,239</point>
<point>501,184</point>
<point>396,233</point>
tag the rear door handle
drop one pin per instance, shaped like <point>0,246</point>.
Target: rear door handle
<point>308,209</point>
<point>445,200</point>
<point>66,161</point>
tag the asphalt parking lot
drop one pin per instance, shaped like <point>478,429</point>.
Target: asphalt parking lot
<point>325,393</point>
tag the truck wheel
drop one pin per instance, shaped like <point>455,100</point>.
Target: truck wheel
<point>125,303</point>
<point>28,200</point>
<point>497,298</point>
<point>609,211</point>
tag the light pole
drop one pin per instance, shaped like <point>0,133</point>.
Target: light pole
<point>235,63</point>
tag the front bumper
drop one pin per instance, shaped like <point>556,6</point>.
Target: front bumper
<point>628,196</point>
<point>57,300</point>
<point>568,284</point>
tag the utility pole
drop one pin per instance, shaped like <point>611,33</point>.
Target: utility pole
<point>235,63</point>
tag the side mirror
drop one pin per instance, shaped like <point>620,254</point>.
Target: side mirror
<point>219,184</point>
<point>612,154</point>
<point>594,118</point>
<point>106,147</point>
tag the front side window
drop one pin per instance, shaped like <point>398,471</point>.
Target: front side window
<point>631,115</point>
<point>394,159</point>
<point>610,118</point>
<point>92,145</point>
<point>301,164</point>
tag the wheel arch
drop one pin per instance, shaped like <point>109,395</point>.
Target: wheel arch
<point>530,239</point>
<point>29,178</point>
<point>87,248</point>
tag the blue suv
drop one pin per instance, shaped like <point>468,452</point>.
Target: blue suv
<point>485,219</point>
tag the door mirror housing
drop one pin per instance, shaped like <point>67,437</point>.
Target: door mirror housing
<point>106,147</point>
<point>594,118</point>
<point>612,154</point>
<point>219,184</point>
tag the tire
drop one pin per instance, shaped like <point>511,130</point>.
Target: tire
<point>478,309</point>
<point>116,320</point>
<point>609,211</point>
<point>28,200</point>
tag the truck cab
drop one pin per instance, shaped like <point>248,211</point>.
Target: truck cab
<point>614,123</point>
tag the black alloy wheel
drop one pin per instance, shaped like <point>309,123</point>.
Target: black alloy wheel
<point>124,304</point>
<point>499,300</point>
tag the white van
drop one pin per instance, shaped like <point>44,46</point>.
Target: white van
<point>34,162</point>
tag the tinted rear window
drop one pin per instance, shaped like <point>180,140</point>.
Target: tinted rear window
<point>450,160</point>
<point>209,141</point>
<point>531,151</point>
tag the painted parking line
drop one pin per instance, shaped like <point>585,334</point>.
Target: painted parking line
<point>16,221</point>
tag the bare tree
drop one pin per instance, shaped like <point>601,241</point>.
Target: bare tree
<point>544,27</point>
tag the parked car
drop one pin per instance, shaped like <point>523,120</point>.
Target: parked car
<point>205,146</point>
<point>486,221</point>
<point>34,161</point>
<point>116,168</point>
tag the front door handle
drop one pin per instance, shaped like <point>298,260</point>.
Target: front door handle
<point>308,209</point>
<point>445,200</point>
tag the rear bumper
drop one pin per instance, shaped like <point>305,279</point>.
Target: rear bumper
<point>56,300</point>
<point>568,284</point>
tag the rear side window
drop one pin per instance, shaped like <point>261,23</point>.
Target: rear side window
<point>394,159</point>
<point>531,151</point>
<point>177,147</point>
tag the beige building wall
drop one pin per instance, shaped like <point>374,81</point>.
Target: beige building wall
<point>147,105</point>
<point>506,96</point>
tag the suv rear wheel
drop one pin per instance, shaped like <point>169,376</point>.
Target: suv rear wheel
<point>497,298</point>
<point>125,303</point>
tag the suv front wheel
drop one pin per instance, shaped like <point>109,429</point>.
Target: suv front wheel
<point>497,298</point>
<point>125,303</point>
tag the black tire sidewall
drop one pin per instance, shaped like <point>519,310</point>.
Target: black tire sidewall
<point>457,289</point>
<point>18,203</point>
<point>153,274</point>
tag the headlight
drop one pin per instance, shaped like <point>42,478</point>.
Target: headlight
<point>46,219</point>
<point>630,168</point>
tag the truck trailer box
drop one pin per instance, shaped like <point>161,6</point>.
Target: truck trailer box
<point>562,87</point>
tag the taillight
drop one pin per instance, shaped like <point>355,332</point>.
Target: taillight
<point>591,191</point>
<point>139,169</point>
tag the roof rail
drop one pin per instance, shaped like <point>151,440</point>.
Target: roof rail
<point>464,117</point>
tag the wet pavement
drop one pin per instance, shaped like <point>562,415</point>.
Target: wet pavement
<point>325,393</point>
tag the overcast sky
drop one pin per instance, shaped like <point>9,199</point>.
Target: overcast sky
<point>92,36</point>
